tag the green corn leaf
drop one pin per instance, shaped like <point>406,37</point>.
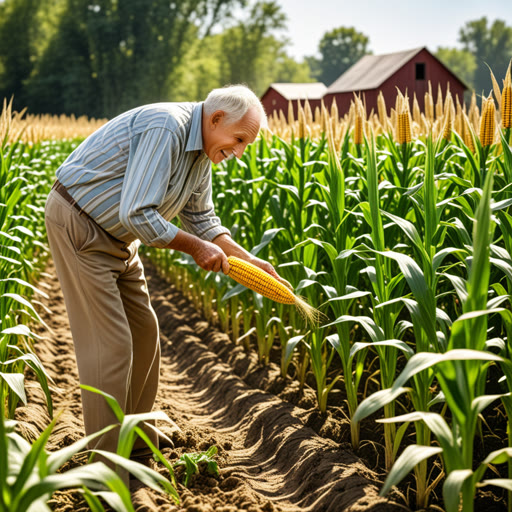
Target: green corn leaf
<point>25,284</point>
<point>504,483</point>
<point>441,255</point>
<point>424,360</point>
<point>21,330</point>
<point>10,260</point>
<point>18,298</point>
<point>31,459</point>
<point>376,401</point>
<point>498,456</point>
<point>452,488</point>
<point>157,454</point>
<point>236,290</point>
<point>16,382</point>
<point>481,402</point>
<point>32,361</point>
<point>459,285</point>
<point>112,402</point>
<point>398,438</point>
<point>22,229</point>
<point>130,421</point>
<point>93,501</point>
<point>267,237</point>
<point>94,476</point>
<point>409,229</point>
<point>374,331</point>
<point>410,457</point>
<point>146,475</point>
<point>290,347</point>
<point>437,424</point>
<point>58,458</point>
<point>399,344</point>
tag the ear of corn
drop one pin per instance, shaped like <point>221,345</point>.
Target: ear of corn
<point>261,282</point>
<point>359,123</point>
<point>506,101</point>
<point>487,122</point>
<point>404,128</point>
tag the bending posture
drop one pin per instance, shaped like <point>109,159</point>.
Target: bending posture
<point>122,186</point>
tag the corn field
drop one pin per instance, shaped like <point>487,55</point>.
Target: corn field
<point>396,226</point>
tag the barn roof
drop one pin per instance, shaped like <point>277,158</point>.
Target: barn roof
<point>310,91</point>
<point>371,71</point>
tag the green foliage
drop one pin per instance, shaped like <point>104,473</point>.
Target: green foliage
<point>491,46</point>
<point>105,57</point>
<point>18,35</point>
<point>340,48</point>
<point>248,51</point>
<point>460,62</point>
<point>192,463</point>
<point>245,48</point>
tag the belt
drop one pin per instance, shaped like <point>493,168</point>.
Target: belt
<point>61,189</point>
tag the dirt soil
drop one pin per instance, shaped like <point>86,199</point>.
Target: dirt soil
<point>274,455</point>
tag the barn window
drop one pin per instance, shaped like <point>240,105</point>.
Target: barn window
<point>420,71</point>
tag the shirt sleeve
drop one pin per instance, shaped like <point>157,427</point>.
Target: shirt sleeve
<point>146,180</point>
<point>198,217</point>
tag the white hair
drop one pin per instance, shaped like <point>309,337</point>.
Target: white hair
<point>235,101</point>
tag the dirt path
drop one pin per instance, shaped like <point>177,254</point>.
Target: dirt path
<point>270,460</point>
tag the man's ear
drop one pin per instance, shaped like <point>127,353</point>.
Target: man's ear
<point>216,118</point>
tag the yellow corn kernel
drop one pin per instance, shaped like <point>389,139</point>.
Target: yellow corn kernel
<point>487,122</point>
<point>403,127</point>
<point>506,107</point>
<point>259,281</point>
<point>506,100</point>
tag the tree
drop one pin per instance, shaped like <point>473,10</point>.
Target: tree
<point>245,47</point>
<point>491,46</point>
<point>126,52</point>
<point>247,51</point>
<point>63,79</point>
<point>17,49</point>
<point>461,62</point>
<point>340,48</point>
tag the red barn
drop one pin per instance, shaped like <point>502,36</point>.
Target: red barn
<point>409,70</point>
<point>277,96</point>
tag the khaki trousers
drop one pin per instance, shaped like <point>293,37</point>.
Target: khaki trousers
<point>114,328</point>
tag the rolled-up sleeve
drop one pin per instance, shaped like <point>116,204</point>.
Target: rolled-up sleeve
<point>198,217</point>
<point>145,184</point>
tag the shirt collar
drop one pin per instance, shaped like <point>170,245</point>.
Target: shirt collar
<point>195,136</point>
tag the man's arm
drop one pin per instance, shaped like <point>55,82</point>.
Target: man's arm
<point>214,255</point>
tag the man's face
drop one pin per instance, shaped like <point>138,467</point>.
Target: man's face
<point>221,139</point>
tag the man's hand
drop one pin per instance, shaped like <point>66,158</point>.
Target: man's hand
<point>210,257</point>
<point>264,265</point>
<point>207,255</point>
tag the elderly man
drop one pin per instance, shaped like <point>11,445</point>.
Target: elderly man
<point>122,186</point>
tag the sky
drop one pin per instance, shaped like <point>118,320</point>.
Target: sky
<point>390,25</point>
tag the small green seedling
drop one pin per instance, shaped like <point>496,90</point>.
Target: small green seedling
<point>191,462</point>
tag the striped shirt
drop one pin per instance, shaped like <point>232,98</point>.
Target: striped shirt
<point>141,170</point>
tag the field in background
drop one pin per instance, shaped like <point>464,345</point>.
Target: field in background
<point>397,227</point>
